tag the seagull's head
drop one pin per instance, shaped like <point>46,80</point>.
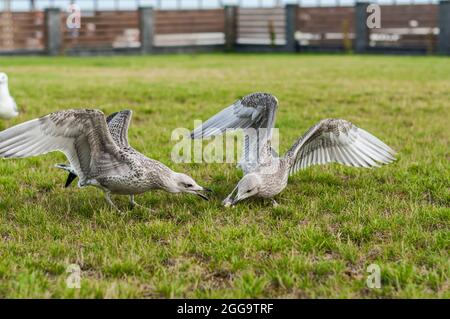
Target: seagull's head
<point>182,183</point>
<point>248,186</point>
<point>3,78</point>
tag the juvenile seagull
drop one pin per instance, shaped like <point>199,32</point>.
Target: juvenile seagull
<point>96,157</point>
<point>265,173</point>
<point>8,108</point>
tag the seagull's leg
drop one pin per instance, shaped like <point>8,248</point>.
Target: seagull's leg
<point>134,204</point>
<point>274,203</point>
<point>108,199</point>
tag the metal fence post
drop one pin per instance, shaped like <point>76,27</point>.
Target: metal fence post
<point>53,31</point>
<point>361,29</point>
<point>230,27</point>
<point>444,27</point>
<point>146,28</point>
<point>291,15</point>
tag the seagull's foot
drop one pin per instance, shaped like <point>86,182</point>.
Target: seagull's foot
<point>274,203</point>
<point>151,210</point>
<point>114,207</point>
<point>111,203</point>
<point>133,204</point>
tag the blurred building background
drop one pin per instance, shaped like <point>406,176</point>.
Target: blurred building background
<point>158,26</point>
<point>24,5</point>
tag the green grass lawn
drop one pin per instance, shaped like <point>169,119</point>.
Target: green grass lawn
<point>332,222</point>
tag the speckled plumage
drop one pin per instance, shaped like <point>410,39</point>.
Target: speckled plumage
<point>265,173</point>
<point>118,124</point>
<point>98,154</point>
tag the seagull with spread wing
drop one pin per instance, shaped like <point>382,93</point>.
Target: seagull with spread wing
<point>8,107</point>
<point>265,173</point>
<point>99,155</point>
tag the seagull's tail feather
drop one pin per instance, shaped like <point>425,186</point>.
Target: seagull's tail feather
<point>72,174</point>
<point>70,178</point>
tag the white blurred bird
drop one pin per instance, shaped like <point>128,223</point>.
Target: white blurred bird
<point>8,107</point>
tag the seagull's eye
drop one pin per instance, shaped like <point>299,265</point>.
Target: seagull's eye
<point>249,191</point>
<point>186,185</point>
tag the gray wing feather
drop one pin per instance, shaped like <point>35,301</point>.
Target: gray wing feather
<point>118,124</point>
<point>251,114</point>
<point>256,110</point>
<point>82,135</point>
<point>334,140</point>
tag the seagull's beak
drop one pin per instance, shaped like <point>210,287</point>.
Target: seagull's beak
<point>201,195</point>
<point>239,197</point>
<point>230,201</point>
<point>235,200</point>
<point>198,193</point>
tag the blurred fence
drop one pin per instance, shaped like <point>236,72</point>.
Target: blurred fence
<point>326,28</point>
<point>261,26</point>
<point>22,30</point>
<point>103,29</point>
<point>189,27</point>
<point>408,28</point>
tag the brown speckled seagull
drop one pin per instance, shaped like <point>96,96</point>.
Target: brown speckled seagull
<point>265,173</point>
<point>99,156</point>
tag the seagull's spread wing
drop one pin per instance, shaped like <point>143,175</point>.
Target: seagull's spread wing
<point>118,124</point>
<point>255,114</point>
<point>256,110</point>
<point>82,135</point>
<point>334,140</point>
